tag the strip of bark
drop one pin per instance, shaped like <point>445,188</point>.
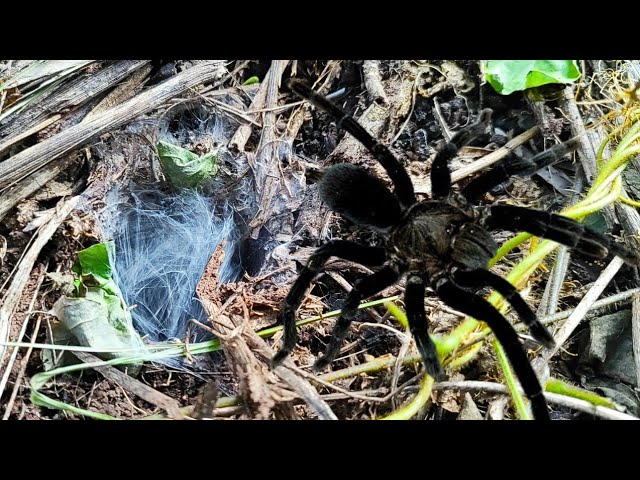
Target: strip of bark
<point>28,161</point>
<point>68,96</point>
<point>28,186</point>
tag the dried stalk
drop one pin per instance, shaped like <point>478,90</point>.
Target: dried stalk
<point>25,266</point>
<point>28,161</point>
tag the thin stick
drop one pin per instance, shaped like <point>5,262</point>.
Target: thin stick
<point>446,133</point>
<point>373,82</point>
<point>306,391</point>
<point>494,156</point>
<point>583,307</point>
<point>562,400</point>
<point>14,354</point>
<point>132,385</point>
<point>486,161</point>
<point>635,331</point>
<point>586,151</point>
<point>23,271</point>
<point>618,297</point>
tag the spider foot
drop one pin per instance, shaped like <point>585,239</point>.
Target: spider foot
<point>429,355</point>
<point>435,370</point>
<point>278,358</point>
<point>321,364</point>
<point>542,335</point>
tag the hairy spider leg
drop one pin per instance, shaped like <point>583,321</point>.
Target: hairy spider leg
<point>440,174</point>
<point>403,188</point>
<point>512,165</point>
<point>477,307</point>
<point>363,288</point>
<point>371,256</point>
<point>414,303</point>
<point>560,229</point>
<point>483,278</point>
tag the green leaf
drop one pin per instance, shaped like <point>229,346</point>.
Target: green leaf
<point>185,169</point>
<point>251,81</point>
<point>508,76</point>
<point>95,261</point>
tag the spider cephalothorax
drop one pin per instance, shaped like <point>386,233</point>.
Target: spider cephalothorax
<point>444,243</point>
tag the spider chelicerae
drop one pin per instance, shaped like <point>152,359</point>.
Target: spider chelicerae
<point>443,243</point>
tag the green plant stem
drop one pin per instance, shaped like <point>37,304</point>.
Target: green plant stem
<point>409,410</point>
<point>269,332</point>
<point>512,384</point>
<point>399,315</point>
<point>555,385</point>
<point>606,188</point>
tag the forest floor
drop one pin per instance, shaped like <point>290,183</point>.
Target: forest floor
<point>204,274</point>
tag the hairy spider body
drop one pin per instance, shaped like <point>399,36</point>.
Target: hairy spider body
<point>434,234</point>
<point>443,243</point>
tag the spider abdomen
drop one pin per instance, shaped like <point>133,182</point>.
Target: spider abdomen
<point>359,196</point>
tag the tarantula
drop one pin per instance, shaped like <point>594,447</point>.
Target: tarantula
<point>443,243</point>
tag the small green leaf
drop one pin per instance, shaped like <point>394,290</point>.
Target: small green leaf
<point>508,76</point>
<point>185,169</point>
<point>95,261</point>
<point>251,81</point>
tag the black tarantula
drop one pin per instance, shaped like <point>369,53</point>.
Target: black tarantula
<point>443,243</point>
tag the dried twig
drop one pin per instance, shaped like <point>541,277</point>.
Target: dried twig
<point>562,400</point>
<point>583,307</point>
<point>268,179</point>
<point>240,138</point>
<point>14,354</point>
<point>26,265</point>
<point>373,82</point>
<point>306,392</point>
<point>635,331</point>
<point>486,161</point>
<point>587,139</point>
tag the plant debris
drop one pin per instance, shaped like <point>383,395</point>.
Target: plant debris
<point>147,130</point>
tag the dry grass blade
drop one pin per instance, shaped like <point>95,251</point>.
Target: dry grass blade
<point>35,70</point>
<point>26,265</point>
<point>65,97</point>
<point>561,400</point>
<point>30,185</point>
<point>134,386</point>
<point>584,306</point>
<point>635,331</point>
<point>14,354</point>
